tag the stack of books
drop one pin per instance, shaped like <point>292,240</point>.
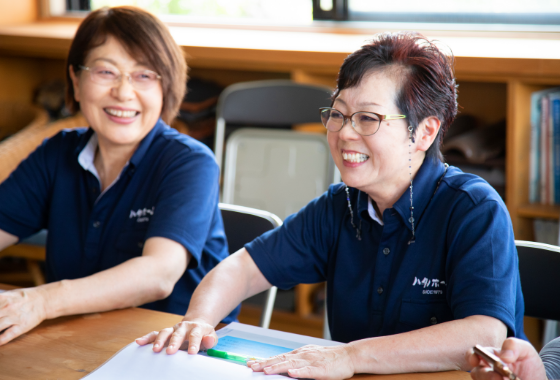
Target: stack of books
<point>544,180</point>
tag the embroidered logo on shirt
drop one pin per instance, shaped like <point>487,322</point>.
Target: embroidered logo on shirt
<point>142,215</point>
<point>429,283</point>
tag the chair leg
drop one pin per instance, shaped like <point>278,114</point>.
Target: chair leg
<point>35,271</point>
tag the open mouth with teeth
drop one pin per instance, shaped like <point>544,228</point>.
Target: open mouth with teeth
<point>355,157</point>
<point>121,113</point>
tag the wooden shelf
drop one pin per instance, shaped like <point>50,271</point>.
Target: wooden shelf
<point>539,211</point>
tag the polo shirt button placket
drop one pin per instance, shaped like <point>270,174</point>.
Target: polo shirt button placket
<point>380,290</point>
<point>386,251</point>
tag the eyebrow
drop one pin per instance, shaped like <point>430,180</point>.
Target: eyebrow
<point>115,63</point>
<point>362,104</point>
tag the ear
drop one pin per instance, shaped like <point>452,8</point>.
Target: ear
<point>75,83</point>
<point>427,132</point>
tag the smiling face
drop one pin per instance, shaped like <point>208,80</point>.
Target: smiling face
<point>120,114</point>
<point>376,164</point>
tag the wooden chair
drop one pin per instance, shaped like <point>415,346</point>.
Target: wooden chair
<point>13,150</point>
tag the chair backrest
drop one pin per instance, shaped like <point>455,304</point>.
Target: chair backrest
<point>539,268</point>
<point>276,170</point>
<point>268,103</point>
<point>242,225</point>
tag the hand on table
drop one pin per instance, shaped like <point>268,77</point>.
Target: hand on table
<point>314,362</point>
<point>191,334</point>
<point>520,356</point>
<point>20,311</point>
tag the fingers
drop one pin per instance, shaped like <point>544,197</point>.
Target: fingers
<point>148,338</point>
<point>10,334</point>
<point>209,341</point>
<point>177,338</point>
<point>472,358</point>
<point>162,338</point>
<point>259,365</point>
<point>285,366</point>
<point>480,373</point>
<point>195,338</point>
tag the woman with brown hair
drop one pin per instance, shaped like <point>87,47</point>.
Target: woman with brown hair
<point>130,205</point>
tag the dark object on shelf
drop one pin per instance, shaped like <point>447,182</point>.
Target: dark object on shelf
<point>50,96</point>
<point>462,124</point>
<point>198,109</point>
<point>480,144</point>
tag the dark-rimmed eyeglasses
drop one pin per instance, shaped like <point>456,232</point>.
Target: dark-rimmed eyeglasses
<point>364,123</point>
<point>111,76</point>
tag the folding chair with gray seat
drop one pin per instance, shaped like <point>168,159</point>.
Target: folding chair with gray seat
<point>539,269</point>
<point>270,103</point>
<point>242,225</point>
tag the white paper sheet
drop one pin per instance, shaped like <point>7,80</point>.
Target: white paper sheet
<point>136,362</point>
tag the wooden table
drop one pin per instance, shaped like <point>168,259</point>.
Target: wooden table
<point>71,347</point>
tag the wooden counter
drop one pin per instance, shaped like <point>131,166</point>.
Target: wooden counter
<point>72,347</point>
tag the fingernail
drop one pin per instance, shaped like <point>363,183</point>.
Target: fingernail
<point>193,348</point>
<point>256,366</point>
<point>156,345</point>
<point>267,370</point>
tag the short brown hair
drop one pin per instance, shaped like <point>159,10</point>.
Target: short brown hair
<point>424,71</point>
<point>145,38</point>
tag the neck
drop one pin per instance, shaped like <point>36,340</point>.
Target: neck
<point>386,195</point>
<point>110,160</point>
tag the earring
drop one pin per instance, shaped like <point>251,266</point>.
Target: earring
<point>358,230</point>
<point>411,220</point>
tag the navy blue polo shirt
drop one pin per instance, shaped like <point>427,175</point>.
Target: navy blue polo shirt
<point>168,189</point>
<point>463,262</point>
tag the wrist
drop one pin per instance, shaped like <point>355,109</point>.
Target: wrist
<point>51,296</point>
<point>352,352</point>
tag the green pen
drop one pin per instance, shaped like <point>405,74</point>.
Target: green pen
<point>229,356</point>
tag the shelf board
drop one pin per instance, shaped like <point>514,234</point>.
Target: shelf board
<point>539,211</point>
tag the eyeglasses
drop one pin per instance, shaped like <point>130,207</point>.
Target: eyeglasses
<point>110,76</point>
<point>365,123</point>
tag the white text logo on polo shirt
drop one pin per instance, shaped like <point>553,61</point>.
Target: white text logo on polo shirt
<point>142,215</point>
<point>431,286</point>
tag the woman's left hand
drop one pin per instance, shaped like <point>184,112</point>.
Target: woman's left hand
<point>311,362</point>
<point>20,311</point>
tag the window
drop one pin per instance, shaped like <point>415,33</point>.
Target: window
<point>536,12</point>
<point>285,11</point>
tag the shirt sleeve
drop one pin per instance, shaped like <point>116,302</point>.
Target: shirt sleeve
<point>187,201</point>
<point>550,355</point>
<point>482,264</point>
<point>25,193</point>
<point>297,252</point>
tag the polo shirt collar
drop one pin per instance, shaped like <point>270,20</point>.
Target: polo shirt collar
<point>423,187</point>
<point>146,142</point>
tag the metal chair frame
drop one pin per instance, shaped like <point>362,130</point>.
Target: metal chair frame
<point>273,221</point>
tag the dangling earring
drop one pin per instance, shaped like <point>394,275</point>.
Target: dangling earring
<point>411,220</point>
<point>358,230</point>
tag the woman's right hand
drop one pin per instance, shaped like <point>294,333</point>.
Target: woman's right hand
<point>518,354</point>
<point>195,334</point>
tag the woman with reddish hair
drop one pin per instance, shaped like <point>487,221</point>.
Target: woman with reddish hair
<point>419,257</point>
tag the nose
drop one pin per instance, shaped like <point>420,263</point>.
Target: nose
<point>347,132</point>
<point>123,89</point>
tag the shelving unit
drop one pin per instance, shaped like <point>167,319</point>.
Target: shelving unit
<point>497,72</point>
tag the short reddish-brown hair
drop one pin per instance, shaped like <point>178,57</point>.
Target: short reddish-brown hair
<point>424,72</point>
<point>145,38</point>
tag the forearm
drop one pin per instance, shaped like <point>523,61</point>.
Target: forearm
<point>132,283</point>
<point>437,348</point>
<point>233,280</point>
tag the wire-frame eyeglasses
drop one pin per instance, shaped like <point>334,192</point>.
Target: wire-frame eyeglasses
<point>110,76</point>
<point>364,123</point>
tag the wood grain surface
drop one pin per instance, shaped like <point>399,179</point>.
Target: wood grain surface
<point>71,347</point>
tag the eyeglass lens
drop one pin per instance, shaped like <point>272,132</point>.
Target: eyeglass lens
<point>107,76</point>
<point>365,123</point>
